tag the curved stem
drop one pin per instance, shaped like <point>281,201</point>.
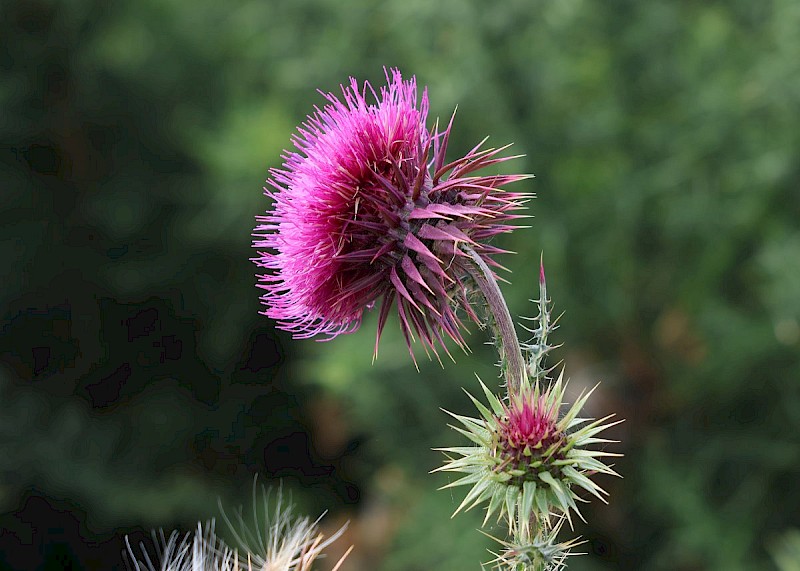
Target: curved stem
<point>509,348</point>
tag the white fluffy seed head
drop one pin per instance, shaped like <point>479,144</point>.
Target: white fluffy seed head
<point>277,540</point>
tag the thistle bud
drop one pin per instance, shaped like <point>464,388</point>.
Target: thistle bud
<point>530,457</point>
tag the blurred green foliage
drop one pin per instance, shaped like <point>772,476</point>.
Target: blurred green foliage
<point>138,383</point>
<point>786,551</point>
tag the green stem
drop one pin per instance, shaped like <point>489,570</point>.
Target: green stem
<point>506,334</point>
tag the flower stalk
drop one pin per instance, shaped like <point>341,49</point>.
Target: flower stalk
<point>505,335</point>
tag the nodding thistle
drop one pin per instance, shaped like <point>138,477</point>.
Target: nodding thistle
<point>368,209</point>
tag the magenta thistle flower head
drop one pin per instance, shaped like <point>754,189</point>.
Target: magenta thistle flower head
<point>366,209</point>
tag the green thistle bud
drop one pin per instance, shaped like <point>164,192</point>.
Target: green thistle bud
<point>529,460</point>
<point>539,553</point>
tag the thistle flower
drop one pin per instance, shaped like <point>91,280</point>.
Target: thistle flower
<point>366,209</point>
<point>529,459</point>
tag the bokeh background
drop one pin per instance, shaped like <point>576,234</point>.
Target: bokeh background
<point>138,384</point>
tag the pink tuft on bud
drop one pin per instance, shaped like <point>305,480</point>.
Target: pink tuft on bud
<point>530,427</point>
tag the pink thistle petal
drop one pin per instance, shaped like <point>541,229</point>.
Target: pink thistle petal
<point>529,423</point>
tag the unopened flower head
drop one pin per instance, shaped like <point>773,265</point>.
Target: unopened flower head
<point>540,551</point>
<point>529,457</point>
<point>367,209</point>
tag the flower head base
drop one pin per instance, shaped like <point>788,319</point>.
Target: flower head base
<point>528,457</point>
<point>366,210</point>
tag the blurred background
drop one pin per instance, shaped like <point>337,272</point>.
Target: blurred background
<point>138,384</point>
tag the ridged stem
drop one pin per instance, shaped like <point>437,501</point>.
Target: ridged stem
<point>505,332</point>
